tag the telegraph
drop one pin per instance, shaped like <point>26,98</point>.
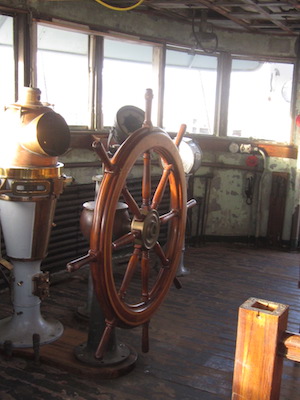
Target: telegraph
<point>31,181</point>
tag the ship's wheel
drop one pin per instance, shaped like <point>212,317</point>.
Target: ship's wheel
<point>131,293</point>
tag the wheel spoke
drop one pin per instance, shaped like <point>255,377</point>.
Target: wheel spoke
<point>124,240</point>
<point>104,342</point>
<point>131,267</point>
<point>145,275</point>
<point>160,190</point>
<point>132,205</point>
<point>180,134</point>
<point>100,150</point>
<point>145,337</point>
<point>160,253</point>
<point>168,216</point>
<point>146,185</point>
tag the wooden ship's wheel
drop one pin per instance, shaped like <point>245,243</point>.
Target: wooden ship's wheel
<point>130,296</point>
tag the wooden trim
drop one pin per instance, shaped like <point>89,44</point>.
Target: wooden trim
<point>277,150</point>
<point>213,143</point>
<point>83,139</point>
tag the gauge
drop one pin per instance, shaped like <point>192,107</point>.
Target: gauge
<point>234,147</point>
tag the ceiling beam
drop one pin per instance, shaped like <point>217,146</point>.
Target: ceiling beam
<point>294,3</point>
<point>199,3</point>
<point>257,15</point>
<point>268,15</point>
<point>227,14</point>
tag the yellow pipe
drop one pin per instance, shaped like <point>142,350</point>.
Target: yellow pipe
<point>119,8</point>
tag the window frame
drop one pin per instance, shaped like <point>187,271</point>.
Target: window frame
<point>281,60</point>
<point>155,64</point>
<point>25,44</point>
<point>13,20</point>
<point>200,53</point>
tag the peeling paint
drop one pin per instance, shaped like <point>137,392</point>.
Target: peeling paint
<point>214,206</point>
<point>216,183</point>
<point>273,166</point>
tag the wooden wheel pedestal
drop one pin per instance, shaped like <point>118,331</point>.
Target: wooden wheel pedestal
<point>118,358</point>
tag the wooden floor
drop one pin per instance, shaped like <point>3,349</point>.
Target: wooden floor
<point>192,336</point>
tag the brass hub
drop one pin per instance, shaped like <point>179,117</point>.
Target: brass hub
<point>149,229</point>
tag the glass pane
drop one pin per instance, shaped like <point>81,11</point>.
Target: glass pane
<point>127,73</point>
<point>62,72</point>
<point>190,91</point>
<point>7,68</point>
<point>259,101</point>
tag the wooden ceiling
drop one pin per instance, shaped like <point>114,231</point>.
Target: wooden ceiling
<point>255,16</point>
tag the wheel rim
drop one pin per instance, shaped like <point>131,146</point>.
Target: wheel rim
<point>117,302</point>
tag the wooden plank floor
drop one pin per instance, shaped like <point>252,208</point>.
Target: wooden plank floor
<point>192,336</point>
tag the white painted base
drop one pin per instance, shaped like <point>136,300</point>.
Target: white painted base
<point>27,319</point>
<point>19,329</point>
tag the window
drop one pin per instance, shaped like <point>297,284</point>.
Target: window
<point>7,68</point>
<point>127,73</point>
<point>190,91</point>
<point>259,100</point>
<point>259,96</point>
<point>63,74</point>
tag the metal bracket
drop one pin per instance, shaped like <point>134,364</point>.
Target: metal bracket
<point>6,264</point>
<point>41,285</point>
<point>31,187</point>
